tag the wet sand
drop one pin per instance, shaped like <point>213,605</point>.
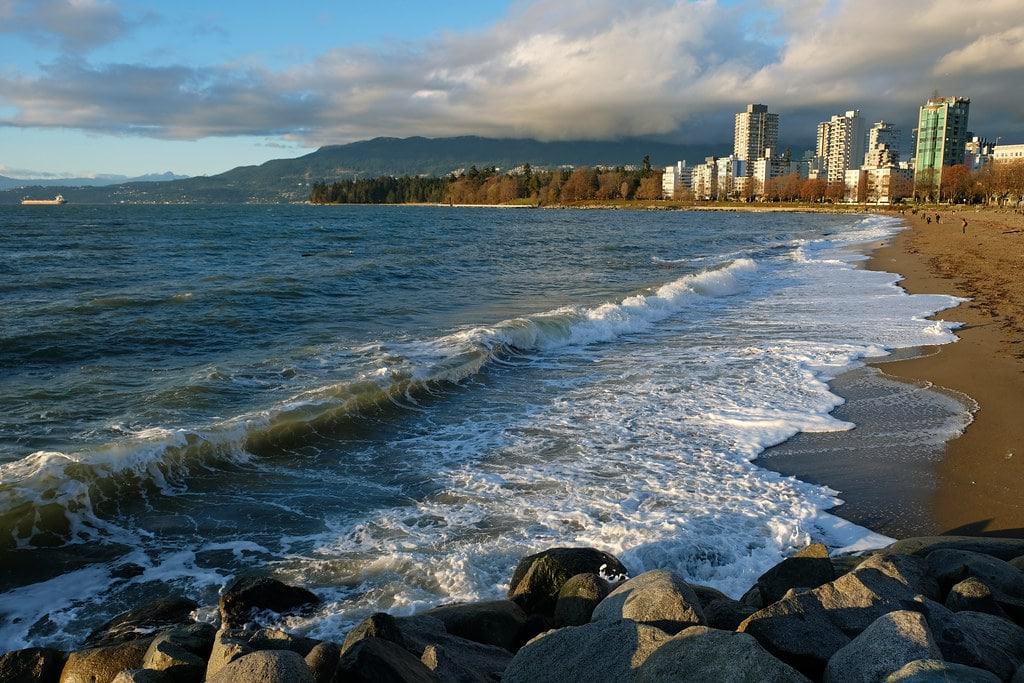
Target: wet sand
<point>973,484</point>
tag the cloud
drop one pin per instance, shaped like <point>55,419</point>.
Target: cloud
<point>561,69</point>
<point>75,25</point>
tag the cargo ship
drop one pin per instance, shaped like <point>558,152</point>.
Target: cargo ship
<point>56,201</point>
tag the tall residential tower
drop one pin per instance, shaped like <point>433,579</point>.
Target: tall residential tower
<point>756,131</point>
<point>841,142</point>
<point>941,137</point>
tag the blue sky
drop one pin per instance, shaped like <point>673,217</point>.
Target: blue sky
<point>194,32</point>
<point>139,86</point>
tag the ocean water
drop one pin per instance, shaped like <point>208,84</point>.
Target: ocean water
<point>392,405</point>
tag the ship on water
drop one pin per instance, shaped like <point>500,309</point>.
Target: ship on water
<point>56,201</point>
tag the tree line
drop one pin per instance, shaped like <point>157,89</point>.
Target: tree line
<point>490,186</point>
<point>995,182</point>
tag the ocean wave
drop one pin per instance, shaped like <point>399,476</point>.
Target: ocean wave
<point>55,495</point>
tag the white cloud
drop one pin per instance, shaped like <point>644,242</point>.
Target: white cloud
<point>573,69</point>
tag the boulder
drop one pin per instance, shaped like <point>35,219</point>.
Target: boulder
<point>373,660</point>
<point>808,568</point>
<point>659,598</point>
<point>976,639</point>
<point>266,666</point>
<point>143,621</point>
<point>938,671</point>
<point>40,664</point>
<point>251,593</point>
<point>707,594</point>
<point>726,614</point>
<point>842,564</point>
<point>539,578</point>
<point>180,665</point>
<point>142,676</point>
<point>227,647</point>
<point>1018,562</point>
<point>276,639</point>
<point>1003,548</point>
<point>1006,582</point>
<point>421,633</point>
<point>702,654</point>
<point>973,595</point>
<point>101,664</point>
<point>752,598</point>
<point>798,630</point>
<point>578,598</point>
<point>887,645</point>
<point>497,622</point>
<point>598,651</point>
<point>378,625</point>
<point>322,661</point>
<point>448,668</point>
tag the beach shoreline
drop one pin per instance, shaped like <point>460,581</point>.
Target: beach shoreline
<point>973,487</point>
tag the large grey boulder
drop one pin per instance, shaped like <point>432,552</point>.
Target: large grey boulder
<point>497,622</point>
<point>101,664</point>
<point>700,654</point>
<point>180,665</point>
<point>422,634</point>
<point>322,661</point>
<point>539,578</point>
<point>598,651</point>
<point>808,568</point>
<point>40,664</point>
<point>972,595</point>
<point>578,598</point>
<point>265,666</point>
<point>257,593</point>
<point>227,646</point>
<point>1003,548</point>
<point>1006,582</point>
<point>142,676</point>
<point>938,671</point>
<point>805,629</point>
<point>887,645</point>
<point>142,621</point>
<point>659,598</point>
<point>1018,562</point>
<point>373,660</point>
<point>975,639</point>
<point>721,611</point>
<point>378,625</point>
<point>799,631</point>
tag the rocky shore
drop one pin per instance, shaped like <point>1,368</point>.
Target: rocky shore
<point>923,609</point>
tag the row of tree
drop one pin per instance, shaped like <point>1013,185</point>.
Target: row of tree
<point>996,182</point>
<point>489,186</point>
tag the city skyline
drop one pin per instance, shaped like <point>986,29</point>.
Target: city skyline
<point>135,86</point>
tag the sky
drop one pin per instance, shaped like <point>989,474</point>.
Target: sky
<point>142,86</point>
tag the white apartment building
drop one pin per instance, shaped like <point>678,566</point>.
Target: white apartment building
<point>977,153</point>
<point>841,145</point>
<point>879,185</point>
<point>767,167</point>
<point>756,130</point>
<point>704,179</point>
<point>883,145</point>
<point>1005,153</point>
<point>729,170</point>
<point>675,178</point>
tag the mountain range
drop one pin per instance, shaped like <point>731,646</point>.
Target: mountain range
<point>289,180</point>
<point>101,180</point>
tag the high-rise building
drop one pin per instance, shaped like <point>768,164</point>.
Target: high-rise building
<point>756,131</point>
<point>841,145</point>
<point>675,179</point>
<point>941,137</point>
<point>883,145</point>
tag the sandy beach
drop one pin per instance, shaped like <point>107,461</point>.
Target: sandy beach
<point>979,481</point>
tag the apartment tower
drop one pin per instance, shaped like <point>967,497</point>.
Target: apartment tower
<point>756,131</point>
<point>841,145</point>
<point>941,137</point>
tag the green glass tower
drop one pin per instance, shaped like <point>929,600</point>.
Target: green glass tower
<point>941,137</point>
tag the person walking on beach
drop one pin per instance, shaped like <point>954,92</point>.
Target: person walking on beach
<point>929,219</point>
<point>964,226</point>
<point>937,218</point>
